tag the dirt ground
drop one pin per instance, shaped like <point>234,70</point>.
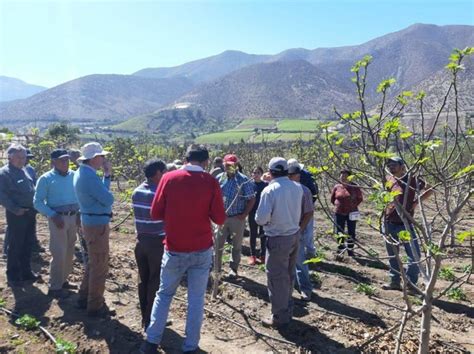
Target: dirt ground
<point>337,320</point>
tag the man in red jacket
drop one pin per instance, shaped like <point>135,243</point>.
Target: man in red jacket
<point>187,200</point>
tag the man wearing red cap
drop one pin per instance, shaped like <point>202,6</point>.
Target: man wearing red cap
<point>239,199</point>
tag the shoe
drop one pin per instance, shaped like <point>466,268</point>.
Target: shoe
<point>148,348</point>
<point>350,253</point>
<point>392,286</point>
<point>305,296</point>
<point>271,323</point>
<point>58,294</point>
<point>31,276</point>
<point>70,286</point>
<point>339,257</point>
<point>197,350</point>
<point>252,260</point>
<point>310,255</point>
<point>232,274</point>
<point>103,312</point>
<point>81,304</point>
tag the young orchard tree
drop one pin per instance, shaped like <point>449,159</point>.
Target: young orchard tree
<point>434,178</point>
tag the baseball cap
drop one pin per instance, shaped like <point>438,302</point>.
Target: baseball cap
<point>294,170</point>
<point>278,164</point>
<point>396,159</point>
<point>29,153</point>
<point>59,153</point>
<point>231,159</point>
<point>294,162</point>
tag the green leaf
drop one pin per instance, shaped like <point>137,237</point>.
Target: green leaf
<point>421,95</point>
<point>406,135</point>
<point>382,155</point>
<point>339,141</point>
<point>404,236</point>
<point>385,84</point>
<point>461,237</point>
<point>346,155</point>
<point>390,127</point>
<point>466,170</point>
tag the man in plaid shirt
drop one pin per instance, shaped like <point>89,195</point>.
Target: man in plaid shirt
<point>239,199</point>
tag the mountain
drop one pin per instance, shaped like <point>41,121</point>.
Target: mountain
<point>271,90</point>
<point>233,85</point>
<point>409,55</point>
<point>95,98</point>
<point>206,69</point>
<point>14,89</point>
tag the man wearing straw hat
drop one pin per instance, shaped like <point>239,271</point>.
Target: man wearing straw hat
<point>95,202</point>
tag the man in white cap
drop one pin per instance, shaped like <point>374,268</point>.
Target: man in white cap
<point>95,202</point>
<point>279,212</point>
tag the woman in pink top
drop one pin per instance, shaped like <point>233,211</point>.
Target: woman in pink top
<point>346,197</point>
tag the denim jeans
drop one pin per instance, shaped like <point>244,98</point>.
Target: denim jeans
<point>308,241</point>
<point>302,270</point>
<point>174,265</point>
<point>412,269</point>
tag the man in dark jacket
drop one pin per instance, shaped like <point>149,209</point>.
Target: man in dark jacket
<point>307,180</point>
<point>16,195</point>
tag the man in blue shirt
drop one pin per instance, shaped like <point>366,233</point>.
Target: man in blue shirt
<point>150,234</point>
<point>239,199</point>
<point>55,198</point>
<point>95,202</point>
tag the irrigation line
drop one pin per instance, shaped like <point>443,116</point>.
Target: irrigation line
<point>238,324</point>
<point>44,330</point>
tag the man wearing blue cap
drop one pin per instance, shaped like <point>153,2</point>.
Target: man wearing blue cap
<point>55,198</point>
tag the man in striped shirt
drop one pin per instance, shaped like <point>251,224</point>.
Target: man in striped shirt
<point>150,235</point>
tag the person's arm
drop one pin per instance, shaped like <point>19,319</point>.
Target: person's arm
<point>359,197</point>
<point>264,210</point>
<point>333,195</point>
<point>5,199</point>
<point>248,208</point>
<point>99,190</point>
<point>306,219</point>
<point>217,211</point>
<point>158,205</point>
<point>39,200</point>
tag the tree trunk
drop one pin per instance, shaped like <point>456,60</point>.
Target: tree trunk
<point>425,329</point>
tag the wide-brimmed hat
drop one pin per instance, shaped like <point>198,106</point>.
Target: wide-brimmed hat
<point>91,150</point>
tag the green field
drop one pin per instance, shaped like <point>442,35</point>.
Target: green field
<point>229,136</point>
<point>259,130</point>
<point>296,125</point>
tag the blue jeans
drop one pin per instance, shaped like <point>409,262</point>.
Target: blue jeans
<point>302,270</point>
<point>412,270</point>
<point>308,241</point>
<point>173,266</point>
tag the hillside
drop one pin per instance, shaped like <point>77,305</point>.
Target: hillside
<point>95,98</point>
<point>15,89</point>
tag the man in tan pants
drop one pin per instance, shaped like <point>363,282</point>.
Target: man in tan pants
<point>95,201</point>
<point>56,199</point>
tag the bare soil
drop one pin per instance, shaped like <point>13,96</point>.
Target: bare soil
<point>337,320</point>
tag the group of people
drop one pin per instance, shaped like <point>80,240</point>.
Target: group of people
<point>184,216</point>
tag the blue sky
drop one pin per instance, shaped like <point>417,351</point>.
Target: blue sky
<point>48,43</point>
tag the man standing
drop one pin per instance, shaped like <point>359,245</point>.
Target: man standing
<point>150,235</point>
<point>239,199</point>
<point>307,212</point>
<point>95,201</point>
<point>307,180</point>
<point>188,243</point>
<point>279,212</point>
<point>16,195</point>
<point>217,166</point>
<point>55,198</point>
<point>397,215</point>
